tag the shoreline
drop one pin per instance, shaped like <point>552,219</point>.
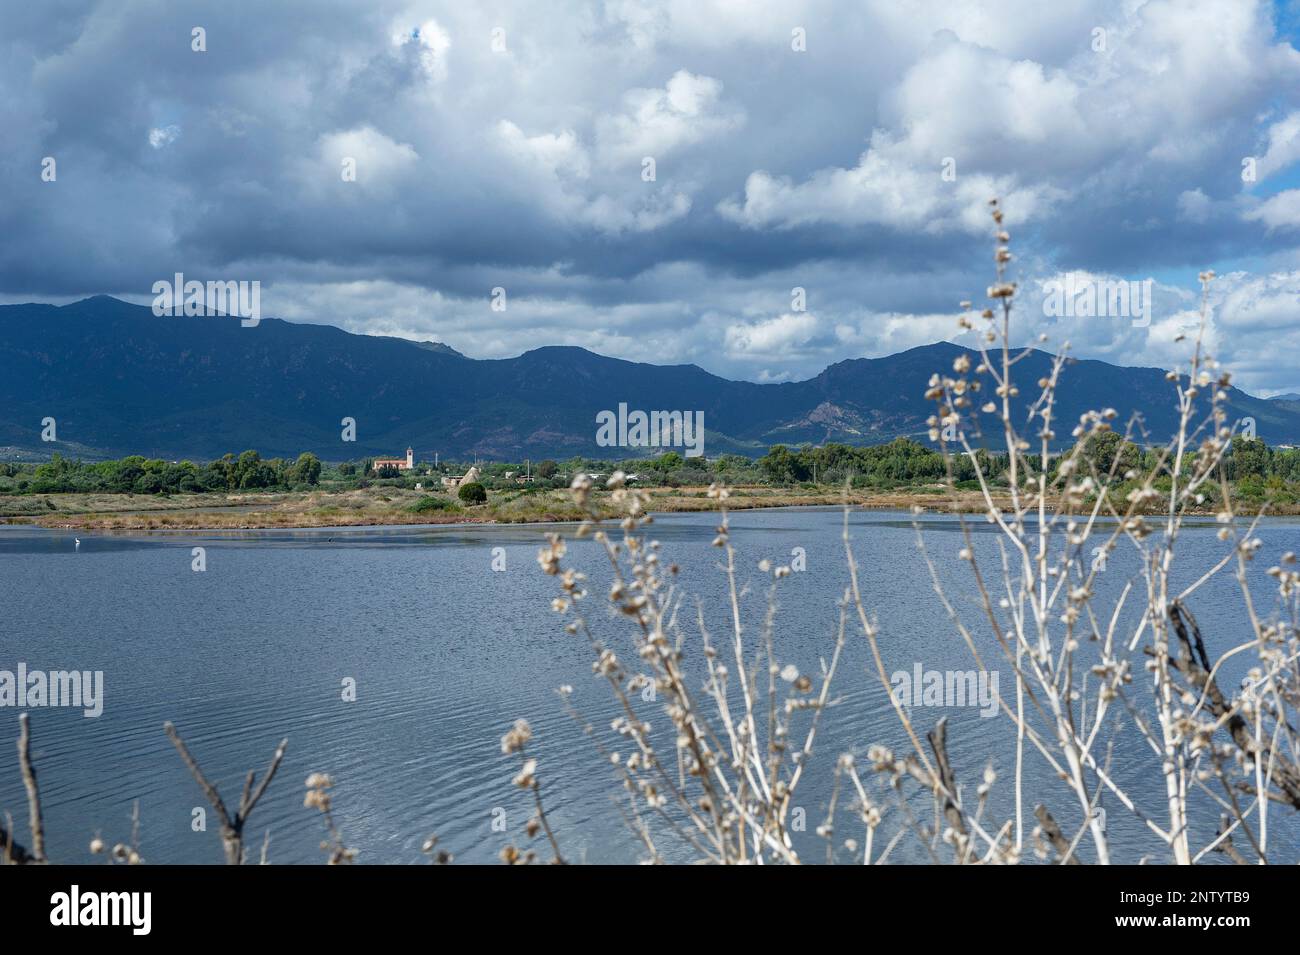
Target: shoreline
<point>395,507</point>
<point>392,507</point>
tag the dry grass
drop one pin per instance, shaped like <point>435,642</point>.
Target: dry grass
<point>384,506</point>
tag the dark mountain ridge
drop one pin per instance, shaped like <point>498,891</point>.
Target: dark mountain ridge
<point>118,380</point>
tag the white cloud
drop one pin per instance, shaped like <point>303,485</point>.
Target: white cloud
<point>559,166</point>
<point>1281,211</point>
<point>163,136</point>
<point>1283,146</point>
<point>380,162</point>
<point>1259,305</point>
<point>657,122</point>
<point>616,215</point>
<point>558,153</point>
<point>769,338</point>
<point>776,168</point>
<point>430,43</point>
<point>709,24</point>
<point>1162,93</point>
<point>881,190</point>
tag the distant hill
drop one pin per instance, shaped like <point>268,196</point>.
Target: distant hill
<point>120,381</point>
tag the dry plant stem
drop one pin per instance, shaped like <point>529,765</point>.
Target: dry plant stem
<point>536,787</point>
<point>1195,665</point>
<point>678,686</point>
<point>939,743</point>
<point>1034,588</point>
<point>632,815</point>
<point>232,827</point>
<point>647,751</point>
<point>11,852</point>
<point>745,777</point>
<point>1055,836</point>
<point>34,818</point>
<point>1073,660</point>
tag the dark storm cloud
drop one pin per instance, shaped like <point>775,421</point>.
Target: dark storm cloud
<point>521,167</point>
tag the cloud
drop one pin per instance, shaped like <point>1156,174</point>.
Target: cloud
<point>1194,206</point>
<point>656,122</point>
<point>1283,146</point>
<point>1097,124</point>
<point>429,43</point>
<point>768,339</point>
<point>880,190</point>
<point>558,167</point>
<point>1278,212</point>
<point>376,163</point>
<point>1116,154</point>
<point>559,154</point>
<point>163,136</point>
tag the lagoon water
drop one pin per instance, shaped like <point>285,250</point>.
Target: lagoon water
<point>446,653</point>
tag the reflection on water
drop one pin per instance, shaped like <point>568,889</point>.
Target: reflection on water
<point>446,653</point>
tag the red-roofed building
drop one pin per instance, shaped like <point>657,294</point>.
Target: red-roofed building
<point>399,464</point>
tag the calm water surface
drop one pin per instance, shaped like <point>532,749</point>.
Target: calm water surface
<point>446,653</point>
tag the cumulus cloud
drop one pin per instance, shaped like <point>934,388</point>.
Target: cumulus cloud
<point>1281,211</point>
<point>429,43</point>
<point>770,338</point>
<point>880,190</point>
<point>656,122</point>
<point>558,165</point>
<point>559,154</point>
<point>857,168</point>
<point>1283,146</point>
<point>371,160</point>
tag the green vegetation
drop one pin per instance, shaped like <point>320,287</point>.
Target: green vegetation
<point>472,493</point>
<point>1259,473</point>
<point>900,462</point>
<point>427,505</point>
<point>140,475</point>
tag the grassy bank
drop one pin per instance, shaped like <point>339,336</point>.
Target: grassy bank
<point>386,505</point>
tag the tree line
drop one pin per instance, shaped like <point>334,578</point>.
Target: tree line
<point>140,475</point>
<point>1251,464</point>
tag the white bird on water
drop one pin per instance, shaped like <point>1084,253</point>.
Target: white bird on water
<point>78,540</point>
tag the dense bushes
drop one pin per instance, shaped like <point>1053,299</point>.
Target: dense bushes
<point>472,493</point>
<point>1264,473</point>
<point>427,505</point>
<point>140,475</point>
<point>901,461</point>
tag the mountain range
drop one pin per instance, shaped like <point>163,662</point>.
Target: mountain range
<point>117,380</point>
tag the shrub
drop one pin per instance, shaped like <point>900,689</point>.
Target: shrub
<point>473,493</point>
<point>426,504</point>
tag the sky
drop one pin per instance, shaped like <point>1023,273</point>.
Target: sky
<point>653,180</point>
